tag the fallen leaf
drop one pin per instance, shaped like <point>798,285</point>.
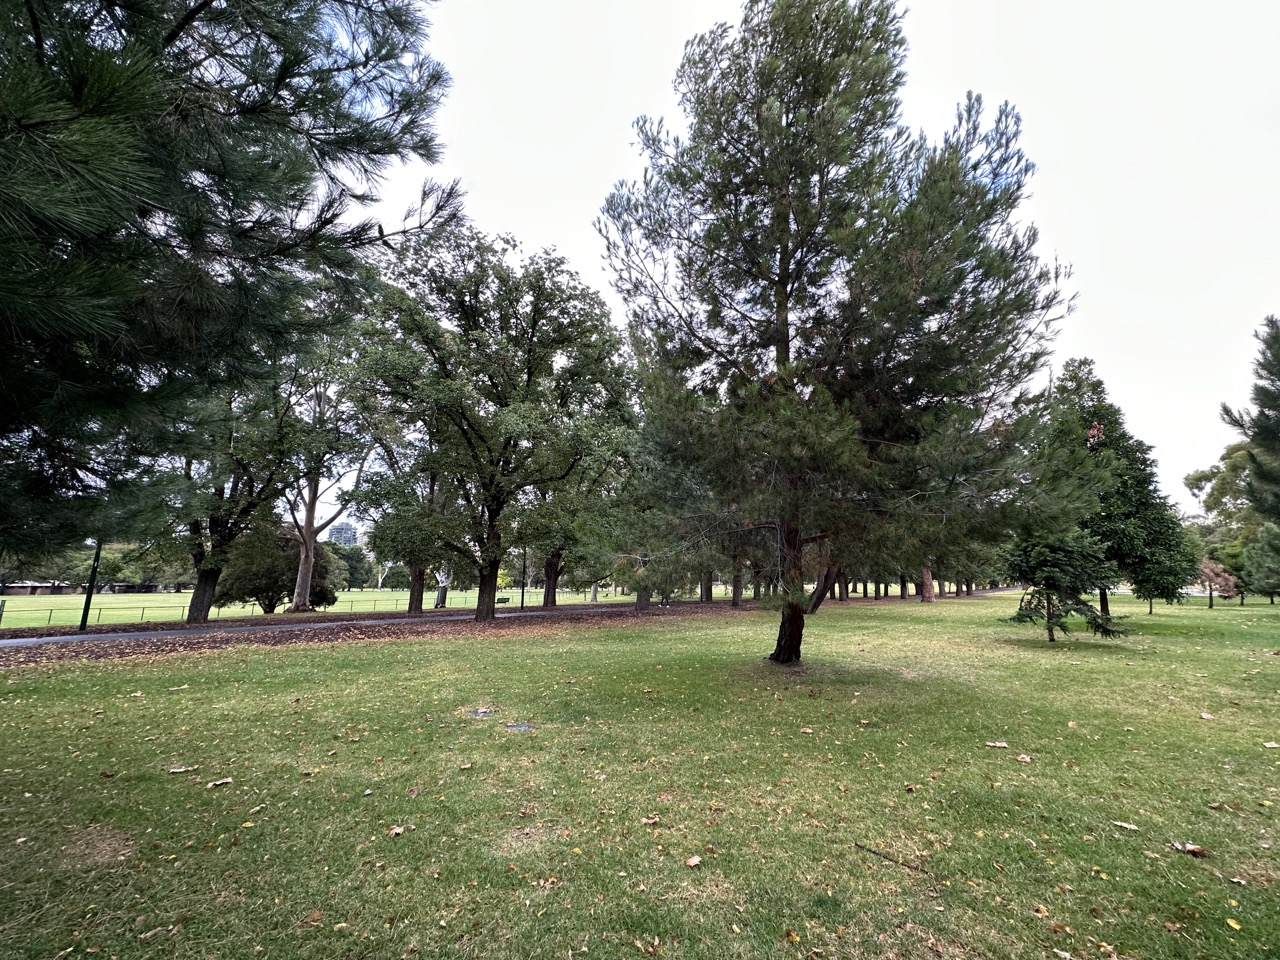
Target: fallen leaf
<point>1271,744</point>
<point>693,861</point>
<point>1071,724</point>
<point>998,744</point>
<point>1023,758</point>
<point>1206,716</point>
<point>1061,953</point>
<point>1172,927</point>
<point>183,769</point>
<point>1194,849</point>
<point>1126,826</point>
<point>806,730</point>
<point>218,783</point>
<point>466,766</point>
<point>413,792</point>
<point>1239,880</point>
<point>792,935</point>
<point>1233,923</point>
<point>1040,910</point>
<point>395,831</point>
<point>314,917</point>
<point>183,687</point>
<point>648,821</point>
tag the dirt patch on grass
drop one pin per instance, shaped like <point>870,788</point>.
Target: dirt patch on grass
<point>524,839</point>
<point>96,846</point>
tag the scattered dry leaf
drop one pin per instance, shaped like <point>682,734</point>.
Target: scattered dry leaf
<point>314,917</point>
<point>792,936</point>
<point>1206,716</point>
<point>693,861</point>
<point>395,831</point>
<point>413,792</point>
<point>218,783</point>
<point>1233,923</point>
<point>1023,758</point>
<point>1123,825</point>
<point>1271,744</point>
<point>1194,849</point>
<point>998,744</point>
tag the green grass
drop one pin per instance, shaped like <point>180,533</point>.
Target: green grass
<point>125,608</point>
<point>656,741</point>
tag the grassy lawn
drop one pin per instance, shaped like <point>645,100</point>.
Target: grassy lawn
<point>125,608</point>
<point>675,797</point>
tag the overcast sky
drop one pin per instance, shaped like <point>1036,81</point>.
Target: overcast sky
<point>1155,128</point>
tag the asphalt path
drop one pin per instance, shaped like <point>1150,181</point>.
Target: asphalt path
<point>282,627</point>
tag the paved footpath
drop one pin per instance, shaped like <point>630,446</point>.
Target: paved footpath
<point>282,627</point>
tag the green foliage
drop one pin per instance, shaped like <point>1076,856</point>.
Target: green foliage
<point>172,176</point>
<point>1059,572</point>
<point>852,312</point>
<point>262,566</point>
<point>1261,425</point>
<point>1137,527</point>
<point>359,569</point>
<point>1261,567</point>
<point>509,390</point>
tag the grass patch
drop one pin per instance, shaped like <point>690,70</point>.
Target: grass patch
<point>849,808</point>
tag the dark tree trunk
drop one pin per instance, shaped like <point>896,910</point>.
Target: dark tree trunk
<point>844,586</point>
<point>902,587</point>
<point>823,588</point>
<point>1151,605</point>
<point>552,568</point>
<point>642,599</point>
<point>202,594</point>
<point>705,588</point>
<point>865,590</point>
<point>968,587</point>
<point>877,590</point>
<point>736,599</point>
<point>790,635</point>
<point>1104,602</point>
<point>926,586</point>
<point>487,594</point>
<point>1048,617</point>
<point>1242,599</point>
<point>791,628</point>
<point>417,587</point>
<point>442,596</point>
<point>755,582</point>
<point>1210,596</point>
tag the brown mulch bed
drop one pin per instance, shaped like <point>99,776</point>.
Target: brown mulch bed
<point>369,628</point>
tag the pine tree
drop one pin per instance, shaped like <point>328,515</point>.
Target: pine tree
<point>1261,425</point>
<point>798,242</point>
<point>170,175</point>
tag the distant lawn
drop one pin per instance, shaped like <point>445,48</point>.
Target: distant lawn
<point>849,809</point>
<point>124,608</point>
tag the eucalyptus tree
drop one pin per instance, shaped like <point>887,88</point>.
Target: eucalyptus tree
<point>799,263</point>
<point>170,174</point>
<point>508,375</point>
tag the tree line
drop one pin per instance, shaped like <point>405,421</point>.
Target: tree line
<point>834,364</point>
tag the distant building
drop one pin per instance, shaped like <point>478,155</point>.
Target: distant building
<point>344,534</point>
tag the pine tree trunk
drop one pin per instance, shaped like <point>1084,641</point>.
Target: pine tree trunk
<point>877,590</point>
<point>202,594</point>
<point>487,591</point>
<point>865,590</point>
<point>823,588</point>
<point>736,595</point>
<point>442,596</point>
<point>1151,606</point>
<point>755,582</point>
<point>643,598</point>
<point>706,588</point>
<point>1210,596</point>
<point>552,567</point>
<point>595,592</point>
<point>1104,603</point>
<point>791,627</point>
<point>968,587</point>
<point>1048,617</point>
<point>844,586</point>
<point>417,586</point>
<point>903,590</point>
<point>926,586</point>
